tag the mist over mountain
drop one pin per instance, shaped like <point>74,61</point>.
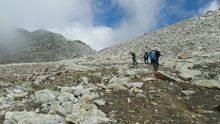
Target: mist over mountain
<point>39,46</point>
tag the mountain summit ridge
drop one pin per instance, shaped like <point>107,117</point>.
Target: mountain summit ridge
<point>198,35</point>
<point>41,46</point>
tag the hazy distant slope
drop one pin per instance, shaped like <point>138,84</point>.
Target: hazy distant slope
<point>40,46</point>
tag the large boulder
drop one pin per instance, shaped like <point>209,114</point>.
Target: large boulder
<point>31,118</point>
<point>187,74</point>
<point>85,80</point>
<point>129,73</point>
<point>188,92</point>
<point>116,87</point>
<point>217,78</point>
<point>17,94</point>
<point>78,90</point>
<point>66,89</point>
<point>81,90</point>
<point>208,83</point>
<point>45,95</point>
<point>65,97</point>
<point>92,116</point>
<point>120,81</point>
<point>163,76</point>
<point>135,84</point>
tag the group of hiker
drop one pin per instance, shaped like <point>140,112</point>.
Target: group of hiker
<point>154,58</point>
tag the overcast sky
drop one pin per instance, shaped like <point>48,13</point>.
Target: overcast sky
<point>99,23</point>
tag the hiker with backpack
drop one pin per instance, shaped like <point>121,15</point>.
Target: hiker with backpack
<point>134,58</point>
<point>157,54</point>
<point>154,57</point>
<point>146,57</point>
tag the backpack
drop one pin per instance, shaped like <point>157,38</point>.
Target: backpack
<point>152,55</point>
<point>133,55</point>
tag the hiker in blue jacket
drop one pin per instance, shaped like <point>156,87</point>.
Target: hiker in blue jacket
<point>154,57</point>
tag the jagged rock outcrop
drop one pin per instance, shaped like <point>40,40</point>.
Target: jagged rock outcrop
<point>40,46</point>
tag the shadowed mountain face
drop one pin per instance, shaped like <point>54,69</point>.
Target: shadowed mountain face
<point>40,46</point>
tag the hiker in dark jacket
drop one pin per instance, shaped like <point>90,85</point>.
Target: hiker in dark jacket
<point>157,56</point>
<point>146,57</point>
<point>134,58</point>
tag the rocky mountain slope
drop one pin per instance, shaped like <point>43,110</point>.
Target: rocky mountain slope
<point>107,88</point>
<point>40,46</point>
<point>194,38</point>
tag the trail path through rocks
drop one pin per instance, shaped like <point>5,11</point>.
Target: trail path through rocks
<point>120,93</point>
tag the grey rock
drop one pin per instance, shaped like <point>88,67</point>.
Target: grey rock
<point>54,104</point>
<point>65,97</point>
<point>208,83</point>
<point>140,95</point>
<point>66,89</point>
<point>120,81</point>
<point>141,70</point>
<point>40,79</point>
<point>116,87</point>
<point>17,94</point>
<point>92,116</point>
<point>129,73</point>
<point>105,80</point>
<point>68,107</point>
<point>76,107</point>
<point>187,74</point>
<point>149,79</point>
<point>32,118</point>
<point>45,95</point>
<point>4,84</point>
<point>39,120</point>
<point>163,76</point>
<point>217,97</point>
<point>102,85</point>
<point>135,84</point>
<point>188,92</point>
<point>10,122</point>
<point>99,75</point>
<point>186,77</point>
<point>217,77</point>
<point>85,80</point>
<point>78,90</point>
<point>99,102</point>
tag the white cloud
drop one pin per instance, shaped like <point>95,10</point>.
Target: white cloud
<point>143,16</point>
<point>96,37</point>
<point>33,14</point>
<point>214,5</point>
<point>75,19</point>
